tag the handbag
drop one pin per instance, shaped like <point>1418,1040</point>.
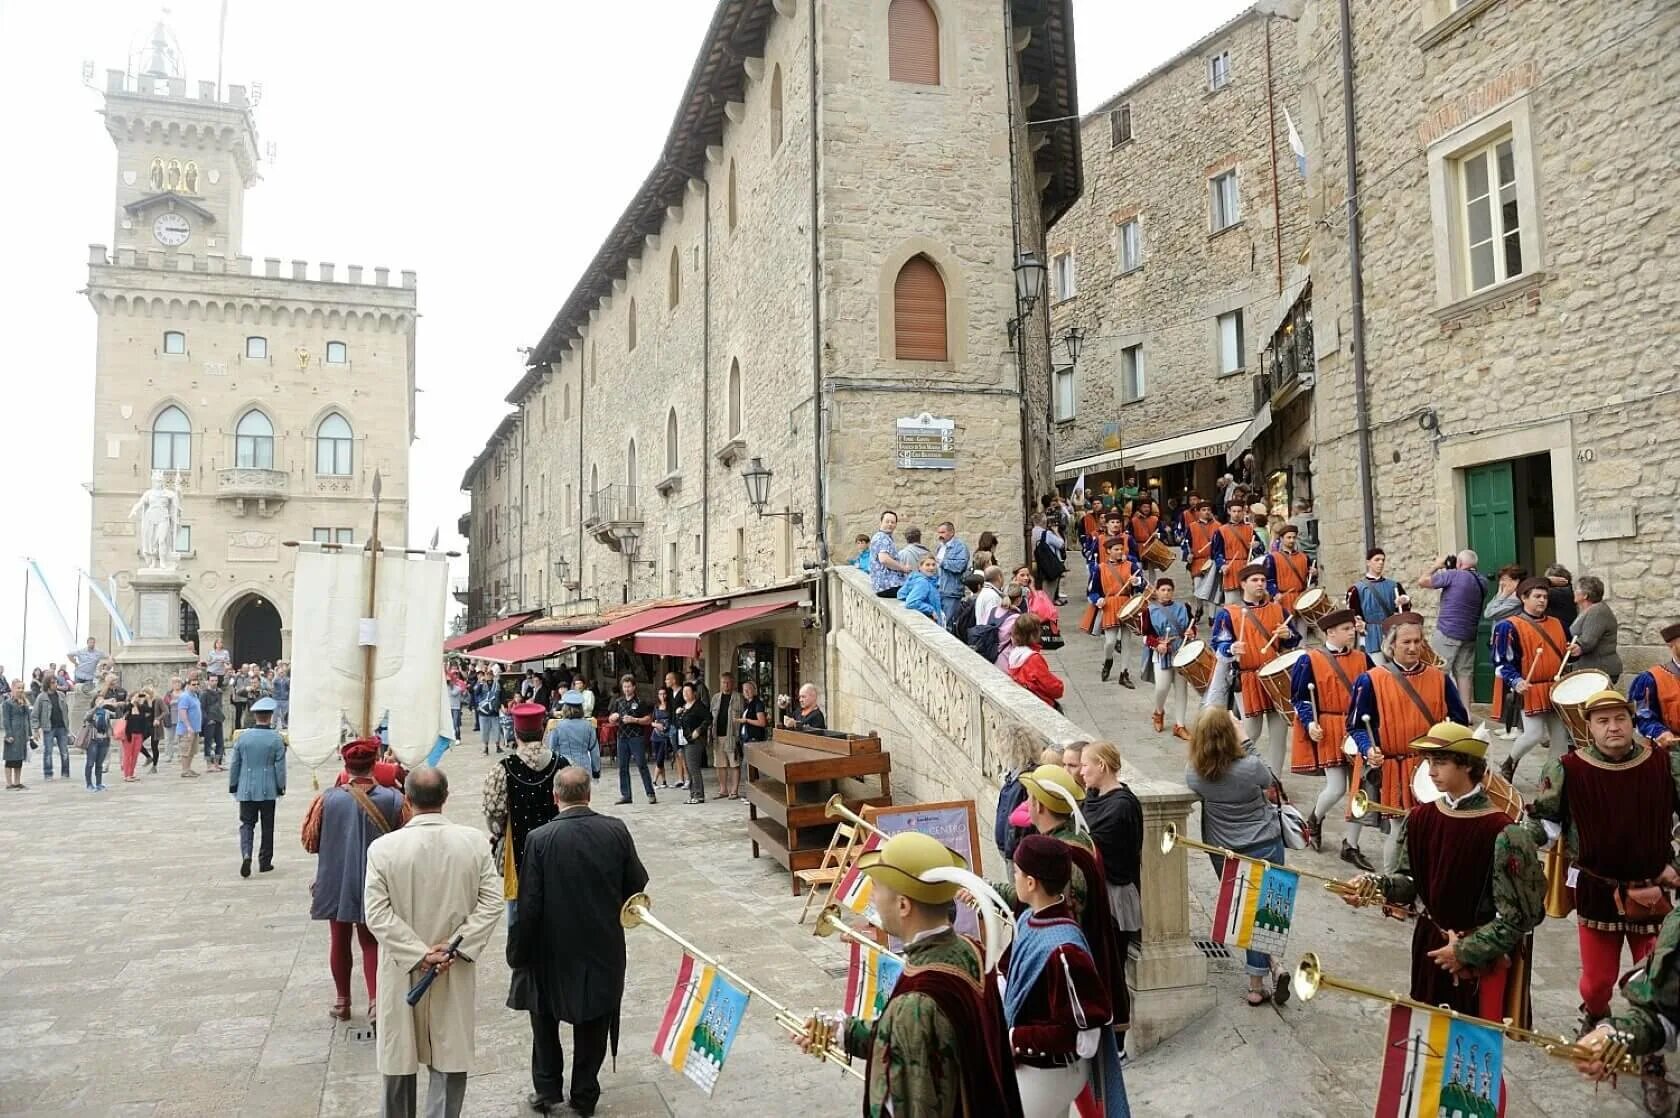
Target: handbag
<point>1290,819</point>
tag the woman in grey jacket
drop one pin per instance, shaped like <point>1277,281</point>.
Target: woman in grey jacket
<point>1232,781</point>
<point>1593,632</point>
<point>16,729</point>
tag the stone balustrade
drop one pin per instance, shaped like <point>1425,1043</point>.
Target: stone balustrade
<point>956,726</point>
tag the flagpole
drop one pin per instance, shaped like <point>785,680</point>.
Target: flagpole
<point>23,658</point>
<point>76,629</point>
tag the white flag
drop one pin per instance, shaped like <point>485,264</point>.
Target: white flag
<point>1295,144</point>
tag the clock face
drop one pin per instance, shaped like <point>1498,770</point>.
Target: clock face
<point>171,230</point>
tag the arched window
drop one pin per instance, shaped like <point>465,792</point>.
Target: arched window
<point>775,108</point>
<point>171,440</point>
<point>630,329</point>
<point>673,280</point>
<point>333,442</point>
<point>919,312</point>
<point>630,473</point>
<point>731,200</point>
<point>734,398</point>
<point>912,42</point>
<point>174,341</point>
<point>253,441</point>
<point>671,441</point>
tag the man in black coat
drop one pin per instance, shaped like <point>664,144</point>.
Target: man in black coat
<point>577,872</point>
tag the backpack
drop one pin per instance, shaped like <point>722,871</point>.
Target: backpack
<point>962,622</point>
<point>1048,561</point>
<point>984,640</point>
<point>100,719</point>
<point>1009,798</point>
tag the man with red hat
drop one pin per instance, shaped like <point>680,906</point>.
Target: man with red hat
<point>1055,1001</point>
<point>1655,694</point>
<point>1612,804</point>
<point>1321,687</point>
<point>1529,648</point>
<point>340,825</point>
<point>1247,635</point>
<point>519,794</point>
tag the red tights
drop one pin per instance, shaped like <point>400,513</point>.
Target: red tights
<point>339,957</point>
<point>1601,962</point>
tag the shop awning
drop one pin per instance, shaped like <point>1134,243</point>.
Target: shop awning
<point>531,646</point>
<point>682,638</point>
<point>1210,442</point>
<point>487,632</point>
<point>634,623</point>
<point>1256,427</point>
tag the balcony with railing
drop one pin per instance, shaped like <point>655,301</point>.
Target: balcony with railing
<point>613,511</point>
<point>1286,365</point>
<point>253,488</point>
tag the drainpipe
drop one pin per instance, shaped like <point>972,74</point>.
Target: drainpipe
<point>1356,287</point>
<point>817,412</point>
<point>583,352</point>
<point>524,513</point>
<point>1271,128</point>
<point>1009,89</point>
<point>706,387</point>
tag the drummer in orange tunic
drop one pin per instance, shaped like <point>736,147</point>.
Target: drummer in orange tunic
<point>1391,706</point>
<point>1247,636</point>
<point>1233,547</point>
<point>1321,686</point>
<point>1288,569</point>
<point>1145,527</point>
<point>1528,654</point>
<point>1200,536</point>
<point>1117,578</point>
<point>1655,695</point>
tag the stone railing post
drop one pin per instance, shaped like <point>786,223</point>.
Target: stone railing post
<point>1170,974</point>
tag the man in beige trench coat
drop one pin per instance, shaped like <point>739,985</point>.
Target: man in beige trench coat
<point>428,882</point>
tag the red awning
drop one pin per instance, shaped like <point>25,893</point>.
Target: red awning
<point>486,632</point>
<point>683,637</point>
<point>634,623</point>
<point>531,646</point>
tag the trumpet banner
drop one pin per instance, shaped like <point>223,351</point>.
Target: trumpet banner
<point>870,978</point>
<point>1435,1065</point>
<point>702,1019</point>
<point>1255,907</point>
<point>329,599</point>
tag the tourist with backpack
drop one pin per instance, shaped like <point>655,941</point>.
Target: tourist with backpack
<point>98,726</point>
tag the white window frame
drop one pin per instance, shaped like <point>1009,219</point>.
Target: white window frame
<point>1120,125</point>
<point>1239,343</point>
<point>1063,287</point>
<point>1139,373</point>
<point>1446,203</point>
<point>1064,392</point>
<point>1219,70</point>
<point>1122,265</point>
<point>260,344</point>
<point>183,539</point>
<point>1234,217</point>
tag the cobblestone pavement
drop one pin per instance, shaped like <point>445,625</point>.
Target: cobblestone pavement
<point>1323,1057</point>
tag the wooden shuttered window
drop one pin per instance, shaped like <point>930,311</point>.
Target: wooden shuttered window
<point>913,42</point>
<point>919,312</point>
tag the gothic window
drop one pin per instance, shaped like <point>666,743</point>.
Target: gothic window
<point>919,326</point>
<point>776,108</point>
<point>333,446</point>
<point>630,329</point>
<point>671,441</point>
<point>171,440</point>
<point>731,208</point>
<point>735,398</point>
<point>253,441</point>
<point>673,280</point>
<point>630,470</point>
<point>912,42</point>
<point>565,401</point>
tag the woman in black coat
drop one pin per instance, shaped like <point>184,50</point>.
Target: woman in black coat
<point>693,723</point>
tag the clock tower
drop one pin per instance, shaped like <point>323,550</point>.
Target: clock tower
<point>183,164</point>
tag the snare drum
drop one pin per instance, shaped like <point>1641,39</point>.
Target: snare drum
<point>1157,555</point>
<point>1195,662</point>
<point>1313,604</point>
<point>1274,677</point>
<point>1133,612</point>
<point>1569,696</point>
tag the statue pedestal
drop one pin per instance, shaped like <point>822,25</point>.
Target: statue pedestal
<point>157,651</point>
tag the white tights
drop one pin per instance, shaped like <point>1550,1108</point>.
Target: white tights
<point>1335,789</point>
<point>1169,685</point>
<point>1538,729</point>
<point>1114,641</point>
<point>1265,729</point>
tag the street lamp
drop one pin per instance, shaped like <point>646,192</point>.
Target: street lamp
<point>757,477</point>
<point>562,571</point>
<point>629,542</point>
<point>1029,280</point>
<point>1074,340</point>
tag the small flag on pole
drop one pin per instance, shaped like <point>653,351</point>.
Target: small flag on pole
<point>1256,904</point>
<point>870,977</point>
<point>1295,144</point>
<point>118,625</point>
<point>700,1023</point>
<point>1433,1064</point>
<point>855,892</point>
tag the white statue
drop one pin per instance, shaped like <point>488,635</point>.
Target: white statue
<point>159,510</point>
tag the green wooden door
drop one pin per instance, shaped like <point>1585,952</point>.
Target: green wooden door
<point>1490,499</point>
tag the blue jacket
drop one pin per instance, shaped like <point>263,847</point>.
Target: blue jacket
<point>921,593</point>
<point>258,771</point>
<point>952,566</point>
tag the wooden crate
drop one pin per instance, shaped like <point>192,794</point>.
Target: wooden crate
<point>787,788</point>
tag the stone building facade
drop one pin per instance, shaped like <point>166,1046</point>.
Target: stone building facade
<point>272,393</point>
<point>1518,243</point>
<point>743,310</point>
<point>1192,218</point>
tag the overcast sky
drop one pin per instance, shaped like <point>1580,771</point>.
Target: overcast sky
<point>488,146</point>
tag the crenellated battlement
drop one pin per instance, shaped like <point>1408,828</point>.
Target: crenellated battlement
<point>215,263</point>
<point>146,85</point>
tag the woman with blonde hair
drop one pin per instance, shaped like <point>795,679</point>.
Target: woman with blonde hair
<point>1233,783</point>
<point>1116,820</point>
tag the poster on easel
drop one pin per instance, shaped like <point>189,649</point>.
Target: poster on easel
<point>953,823</point>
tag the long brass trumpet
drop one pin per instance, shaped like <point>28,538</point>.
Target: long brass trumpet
<point>831,923</point>
<point>1364,805</point>
<point>1361,891</point>
<point>636,913</point>
<point>1310,978</point>
<point>836,808</point>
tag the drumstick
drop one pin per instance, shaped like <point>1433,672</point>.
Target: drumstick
<point>1312,700</point>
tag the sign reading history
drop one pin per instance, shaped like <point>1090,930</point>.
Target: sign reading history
<point>925,443</point>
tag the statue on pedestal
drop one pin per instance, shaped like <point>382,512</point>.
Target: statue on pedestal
<point>159,512</point>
